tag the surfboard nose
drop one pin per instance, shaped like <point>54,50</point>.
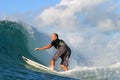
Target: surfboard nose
<point>24,58</point>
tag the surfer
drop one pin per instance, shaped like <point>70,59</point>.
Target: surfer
<point>63,51</point>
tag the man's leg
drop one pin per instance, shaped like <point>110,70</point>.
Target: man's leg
<point>65,68</point>
<point>65,60</point>
<point>52,64</point>
<point>57,55</point>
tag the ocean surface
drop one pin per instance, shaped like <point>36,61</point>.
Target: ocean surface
<point>18,39</point>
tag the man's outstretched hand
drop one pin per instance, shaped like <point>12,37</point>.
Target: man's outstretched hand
<point>44,48</point>
<point>37,48</point>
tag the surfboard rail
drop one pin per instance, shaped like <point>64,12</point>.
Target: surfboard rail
<point>38,65</point>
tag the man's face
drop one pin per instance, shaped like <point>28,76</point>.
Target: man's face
<point>53,37</point>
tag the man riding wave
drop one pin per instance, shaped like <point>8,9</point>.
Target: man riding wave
<point>63,51</point>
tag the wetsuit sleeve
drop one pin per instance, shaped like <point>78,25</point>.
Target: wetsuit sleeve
<point>61,42</point>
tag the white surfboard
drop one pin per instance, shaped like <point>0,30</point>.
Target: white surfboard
<point>38,65</point>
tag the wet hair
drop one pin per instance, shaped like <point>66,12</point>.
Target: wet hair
<point>56,35</point>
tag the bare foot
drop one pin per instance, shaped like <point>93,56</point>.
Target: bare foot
<point>52,68</point>
<point>65,68</point>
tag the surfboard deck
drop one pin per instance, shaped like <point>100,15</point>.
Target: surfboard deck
<point>38,65</point>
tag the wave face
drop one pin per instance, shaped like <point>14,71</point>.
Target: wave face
<point>13,43</point>
<point>18,39</point>
<point>14,40</point>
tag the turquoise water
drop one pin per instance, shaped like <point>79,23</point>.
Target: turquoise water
<point>18,39</point>
<point>14,44</point>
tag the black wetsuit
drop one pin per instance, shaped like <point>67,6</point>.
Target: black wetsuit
<point>63,51</point>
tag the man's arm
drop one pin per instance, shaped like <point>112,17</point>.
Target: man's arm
<point>45,47</point>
